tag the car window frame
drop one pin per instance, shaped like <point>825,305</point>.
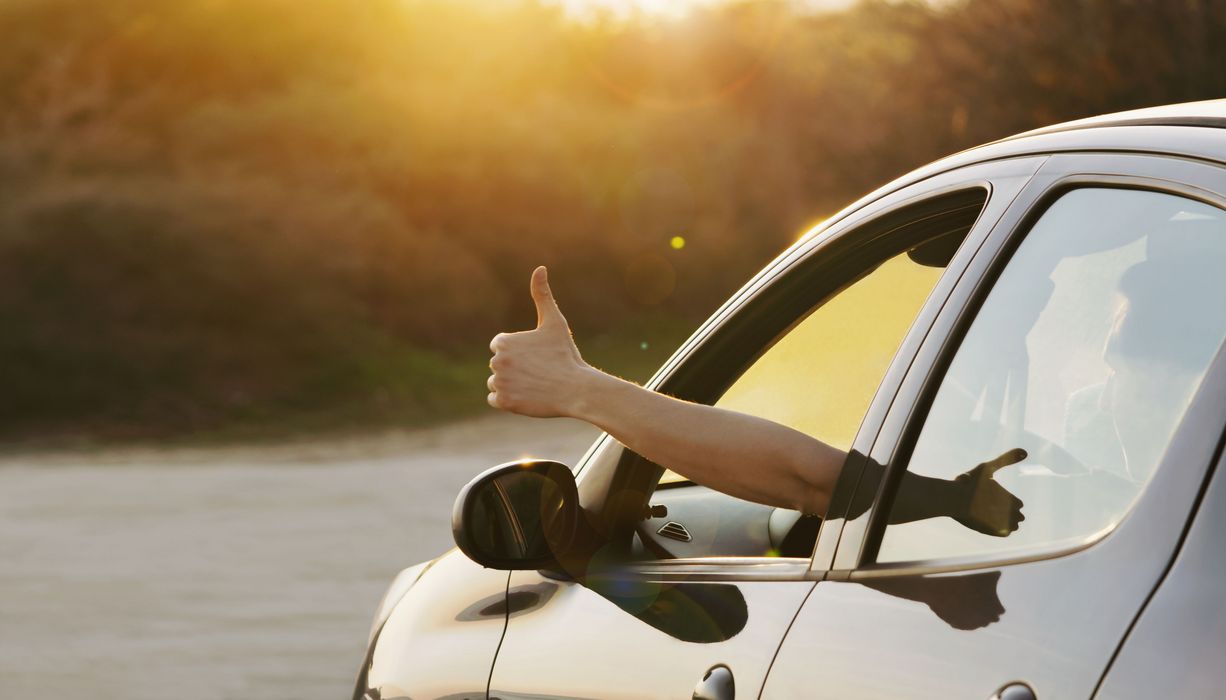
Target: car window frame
<point>857,550</point>
<point>840,239</point>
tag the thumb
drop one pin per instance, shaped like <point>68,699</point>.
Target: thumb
<point>1010,457</point>
<point>547,311</point>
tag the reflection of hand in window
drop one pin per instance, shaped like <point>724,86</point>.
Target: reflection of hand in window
<point>991,509</point>
<point>973,498</point>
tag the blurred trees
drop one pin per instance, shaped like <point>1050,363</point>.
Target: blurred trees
<point>219,211</point>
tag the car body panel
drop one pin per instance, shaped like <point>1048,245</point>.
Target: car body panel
<point>440,640</point>
<point>1177,645</point>
<point>641,635</point>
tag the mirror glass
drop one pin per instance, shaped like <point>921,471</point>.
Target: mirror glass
<point>518,514</point>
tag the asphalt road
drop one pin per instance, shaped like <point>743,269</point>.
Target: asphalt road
<point>226,573</point>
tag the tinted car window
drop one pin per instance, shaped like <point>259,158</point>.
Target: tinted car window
<point>1070,382</point>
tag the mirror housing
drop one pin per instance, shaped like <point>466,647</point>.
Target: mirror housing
<point>518,515</point>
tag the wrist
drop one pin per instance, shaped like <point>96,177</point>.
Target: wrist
<point>584,391</point>
<point>922,497</point>
<point>961,495</point>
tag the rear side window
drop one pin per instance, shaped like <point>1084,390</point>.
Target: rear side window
<point>1065,392</point>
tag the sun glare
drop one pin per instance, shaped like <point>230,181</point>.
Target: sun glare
<point>624,8</point>
<point>671,9</point>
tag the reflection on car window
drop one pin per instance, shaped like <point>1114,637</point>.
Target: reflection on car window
<point>1084,357</point>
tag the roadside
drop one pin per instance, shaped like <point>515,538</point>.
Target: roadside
<point>227,572</point>
<point>367,390</point>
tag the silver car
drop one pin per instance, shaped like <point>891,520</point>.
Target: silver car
<point>1019,346</point>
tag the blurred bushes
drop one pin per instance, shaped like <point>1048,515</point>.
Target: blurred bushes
<point>247,212</point>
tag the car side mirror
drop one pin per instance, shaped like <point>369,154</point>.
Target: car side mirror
<point>519,515</point>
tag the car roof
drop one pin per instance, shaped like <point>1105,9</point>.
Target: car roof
<point>1208,113</point>
<point>1195,130</point>
<point>1190,129</point>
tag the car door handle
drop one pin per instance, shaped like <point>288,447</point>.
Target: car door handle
<point>1014,691</point>
<point>716,684</point>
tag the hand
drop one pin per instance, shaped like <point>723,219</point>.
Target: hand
<point>964,601</point>
<point>991,508</point>
<point>538,372</point>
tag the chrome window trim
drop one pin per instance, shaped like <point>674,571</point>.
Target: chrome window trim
<point>1021,555</point>
<point>721,569</point>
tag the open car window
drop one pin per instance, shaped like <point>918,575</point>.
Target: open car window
<point>818,376</point>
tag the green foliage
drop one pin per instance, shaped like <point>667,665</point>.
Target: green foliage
<point>223,215</point>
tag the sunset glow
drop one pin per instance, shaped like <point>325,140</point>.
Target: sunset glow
<point>671,9</point>
<point>658,8</point>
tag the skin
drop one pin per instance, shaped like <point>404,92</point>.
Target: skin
<point>540,373</point>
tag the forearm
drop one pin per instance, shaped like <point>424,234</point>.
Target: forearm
<point>738,454</point>
<point>916,498</point>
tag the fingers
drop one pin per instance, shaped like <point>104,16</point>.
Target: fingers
<point>498,342</point>
<point>1014,517</point>
<point>1013,456</point>
<point>547,312</point>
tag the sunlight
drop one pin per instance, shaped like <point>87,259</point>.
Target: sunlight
<point>673,9</point>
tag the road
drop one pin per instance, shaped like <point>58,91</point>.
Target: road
<point>226,573</point>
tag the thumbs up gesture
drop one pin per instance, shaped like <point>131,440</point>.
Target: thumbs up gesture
<point>991,509</point>
<point>538,372</point>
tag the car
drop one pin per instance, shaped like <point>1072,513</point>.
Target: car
<point>1020,349</point>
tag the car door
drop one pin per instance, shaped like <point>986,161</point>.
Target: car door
<point>659,616</point>
<point>1035,472</point>
<point>1175,648</point>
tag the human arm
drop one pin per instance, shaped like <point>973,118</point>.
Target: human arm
<point>541,373</point>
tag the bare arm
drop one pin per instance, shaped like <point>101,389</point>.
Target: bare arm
<point>541,373</point>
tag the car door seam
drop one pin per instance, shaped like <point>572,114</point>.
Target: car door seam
<point>783,638</point>
<point>506,623</point>
<point>1170,563</point>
